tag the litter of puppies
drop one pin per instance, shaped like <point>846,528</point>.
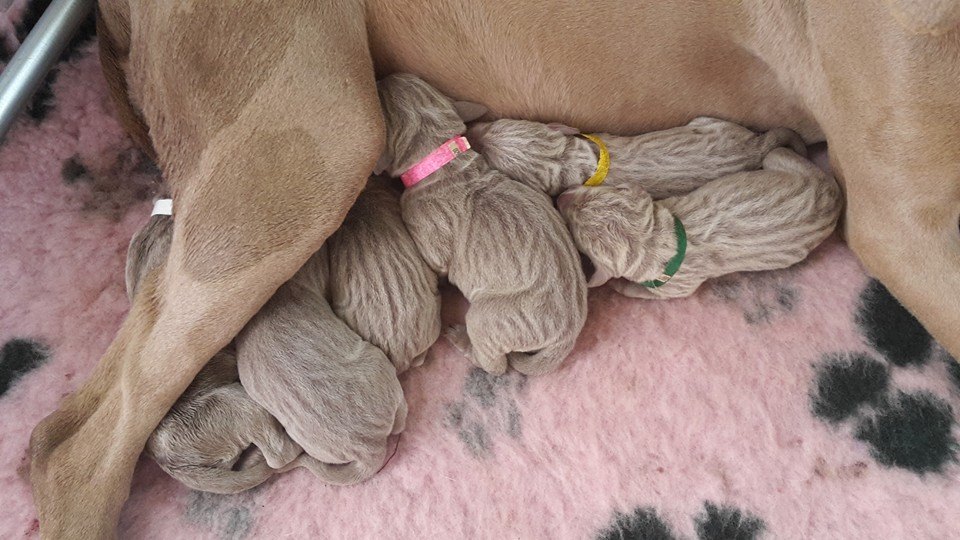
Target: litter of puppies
<point>312,381</point>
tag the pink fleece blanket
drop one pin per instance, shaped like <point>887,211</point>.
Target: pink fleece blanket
<point>799,404</point>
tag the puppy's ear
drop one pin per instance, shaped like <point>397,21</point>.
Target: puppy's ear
<point>469,111</point>
<point>600,276</point>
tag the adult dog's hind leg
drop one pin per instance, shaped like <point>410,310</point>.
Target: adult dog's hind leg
<point>274,172</point>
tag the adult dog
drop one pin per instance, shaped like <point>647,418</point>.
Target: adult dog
<point>264,118</point>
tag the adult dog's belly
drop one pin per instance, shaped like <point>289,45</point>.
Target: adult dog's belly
<point>604,65</point>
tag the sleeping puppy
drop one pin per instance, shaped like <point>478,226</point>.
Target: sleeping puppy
<point>665,163</point>
<point>500,242</point>
<point>748,221</point>
<point>337,395</point>
<point>204,440</point>
<point>379,284</point>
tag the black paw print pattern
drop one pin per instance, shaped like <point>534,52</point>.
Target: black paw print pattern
<point>908,430</point>
<point>18,357</point>
<point>488,408</point>
<point>130,178</point>
<point>763,297</point>
<point>229,517</point>
<point>715,522</point>
<point>644,523</point>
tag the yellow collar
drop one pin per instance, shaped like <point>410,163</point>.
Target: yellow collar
<point>603,164</point>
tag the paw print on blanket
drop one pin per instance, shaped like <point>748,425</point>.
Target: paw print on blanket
<point>488,408</point>
<point>715,522</point>
<point>763,296</point>
<point>18,357</point>
<point>910,430</point>
<point>228,517</point>
<point>108,183</point>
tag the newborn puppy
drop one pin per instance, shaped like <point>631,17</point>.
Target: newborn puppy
<point>748,221</point>
<point>203,440</point>
<point>500,242</point>
<point>379,284</point>
<point>337,395</point>
<point>664,163</point>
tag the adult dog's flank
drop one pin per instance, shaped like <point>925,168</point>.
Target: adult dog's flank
<point>264,117</point>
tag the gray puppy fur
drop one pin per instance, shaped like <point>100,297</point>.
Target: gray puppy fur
<point>203,439</point>
<point>337,395</point>
<point>747,221</point>
<point>665,163</point>
<point>500,242</point>
<point>379,284</point>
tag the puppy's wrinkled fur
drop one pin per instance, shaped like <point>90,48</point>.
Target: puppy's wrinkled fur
<point>379,284</point>
<point>748,221</point>
<point>337,395</point>
<point>554,160</point>
<point>500,242</point>
<point>202,440</point>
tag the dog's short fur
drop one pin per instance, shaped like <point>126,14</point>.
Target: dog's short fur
<point>266,146</point>
<point>379,284</point>
<point>337,395</point>
<point>666,163</point>
<point>500,242</point>
<point>202,440</point>
<point>748,221</point>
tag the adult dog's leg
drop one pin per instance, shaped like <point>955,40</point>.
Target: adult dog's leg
<point>892,118</point>
<point>265,148</point>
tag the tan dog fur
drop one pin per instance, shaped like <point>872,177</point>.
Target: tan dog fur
<point>337,395</point>
<point>266,145</point>
<point>667,162</point>
<point>202,440</point>
<point>743,222</point>
<point>379,284</point>
<point>500,242</point>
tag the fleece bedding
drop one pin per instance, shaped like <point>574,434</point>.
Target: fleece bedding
<point>805,403</point>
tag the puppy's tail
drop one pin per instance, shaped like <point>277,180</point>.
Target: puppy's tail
<point>223,481</point>
<point>543,361</point>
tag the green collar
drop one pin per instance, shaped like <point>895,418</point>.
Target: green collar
<point>674,264</point>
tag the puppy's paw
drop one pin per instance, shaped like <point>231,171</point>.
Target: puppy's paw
<point>278,448</point>
<point>421,358</point>
<point>782,137</point>
<point>704,121</point>
<point>458,337</point>
<point>495,366</point>
<point>674,289</point>
<point>564,129</point>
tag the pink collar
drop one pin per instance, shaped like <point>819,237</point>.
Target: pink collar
<point>444,154</point>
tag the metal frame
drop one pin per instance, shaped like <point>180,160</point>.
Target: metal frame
<point>36,56</point>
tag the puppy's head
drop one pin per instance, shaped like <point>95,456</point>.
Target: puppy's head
<point>418,118</point>
<point>611,225</point>
<point>529,152</point>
